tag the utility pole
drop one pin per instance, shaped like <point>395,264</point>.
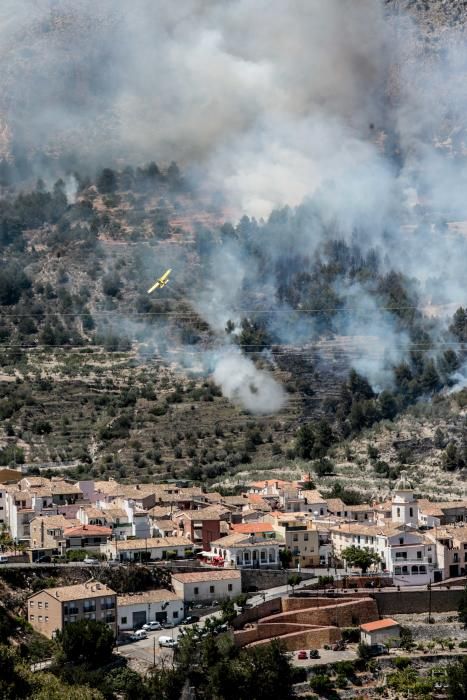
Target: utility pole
<point>154,652</point>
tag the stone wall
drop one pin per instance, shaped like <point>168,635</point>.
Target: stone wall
<point>330,611</point>
<point>261,579</point>
<point>394,602</point>
<point>306,639</point>
<point>270,607</point>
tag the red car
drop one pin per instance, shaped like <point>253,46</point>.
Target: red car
<point>302,655</point>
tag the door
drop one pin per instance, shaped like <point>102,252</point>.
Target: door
<point>454,570</point>
<point>139,619</point>
<point>161,616</point>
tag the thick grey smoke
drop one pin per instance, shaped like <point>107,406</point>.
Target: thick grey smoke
<point>270,102</point>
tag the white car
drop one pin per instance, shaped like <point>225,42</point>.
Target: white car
<point>151,626</point>
<point>167,642</point>
<point>139,634</point>
<point>91,560</point>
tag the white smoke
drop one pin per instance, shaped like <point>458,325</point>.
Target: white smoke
<point>71,188</point>
<point>243,383</point>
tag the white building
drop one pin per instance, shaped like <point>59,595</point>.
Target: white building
<point>150,548</point>
<point>404,503</point>
<point>406,554</point>
<point>247,551</point>
<point>135,609</point>
<point>205,586</point>
<point>380,631</point>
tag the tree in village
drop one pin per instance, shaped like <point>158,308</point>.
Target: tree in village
<point>294,580</point>
<point>362,558</point>
<point>87,641</point>
<point>285,556</point>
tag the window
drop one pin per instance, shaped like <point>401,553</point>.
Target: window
<point>175,614</point>
<point>229,587</point>
<point>39,604</point>
<point>46,605</point>
<point>211,589</point>
<point>31,617</point>
<point>123,620</point>
<point>31,603</point>
<point>196,590</point>
<point>40,618</point>
<point>411,512</point>
<point>401,540</point>
<point>295,538</point>
<point>419,555</point>
<point>263,555</point>
<point>305,537</point>
<point>398,512</point>
<point>46,618</point>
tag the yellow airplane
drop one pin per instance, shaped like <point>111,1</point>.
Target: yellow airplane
<point>161,282</point>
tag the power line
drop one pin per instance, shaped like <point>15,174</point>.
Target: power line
<point>179,314</point>
<point>286,348</point>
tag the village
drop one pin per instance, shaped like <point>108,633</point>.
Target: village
<point>313,572</point>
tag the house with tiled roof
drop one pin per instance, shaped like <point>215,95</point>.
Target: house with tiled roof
<point>200,586</point>
<point>47,535</point>
<point>148,549</point>
<point>240,550</point>
<point>49,610</point>
<point>89,537</point>
<point>136,609</point>
<point>380,631</point>
<point>201,526</point>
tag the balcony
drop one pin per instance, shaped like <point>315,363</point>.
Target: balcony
<point>108,606</point>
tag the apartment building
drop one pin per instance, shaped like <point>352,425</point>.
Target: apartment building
<point>201,526</point>
<point>300,536</point>
<point>51,609</point>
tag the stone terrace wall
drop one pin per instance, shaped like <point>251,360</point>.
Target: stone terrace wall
<point>306,639</point>
<point>270,607</point>
<point>322,611</point>
<point>393,602</point>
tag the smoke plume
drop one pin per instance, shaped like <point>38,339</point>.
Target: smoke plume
<point>343,106</point>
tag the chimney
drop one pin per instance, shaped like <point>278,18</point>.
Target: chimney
<point>98,586</point>
<point>56,593</point>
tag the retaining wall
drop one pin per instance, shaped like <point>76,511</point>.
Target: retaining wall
<point>304,639</point>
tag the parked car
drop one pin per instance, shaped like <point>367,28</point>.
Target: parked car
<point>198,606</point>
<point>151,626</point>
<point>302,654</point>
<point>314,654</point>
<point>190,620</point>
<point>44,559</point>
<point>167,642</point>
<point>90,560</point>
<point>139,634</point>
<point>214,604</point>
<point>168,625</point>
<point>339,646</point>
<point>3,559</point>
<point>378,650</point>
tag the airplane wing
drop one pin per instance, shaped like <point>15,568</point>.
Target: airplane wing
<point>161,282</point>
<point>156,285</point>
